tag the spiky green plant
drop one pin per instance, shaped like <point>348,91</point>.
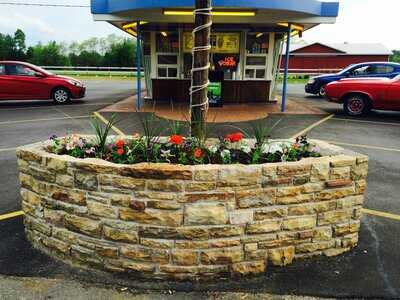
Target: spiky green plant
<point>102,132</point>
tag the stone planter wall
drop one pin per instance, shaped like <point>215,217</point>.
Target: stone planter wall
<point>190,222</point>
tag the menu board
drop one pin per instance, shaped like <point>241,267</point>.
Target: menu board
<point>220,42</point>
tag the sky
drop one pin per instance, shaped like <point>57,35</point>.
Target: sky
<point>359,21</point>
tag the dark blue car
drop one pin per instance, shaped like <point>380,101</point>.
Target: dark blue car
<point>316,85</point>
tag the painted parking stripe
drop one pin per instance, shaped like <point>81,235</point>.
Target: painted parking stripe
<point>366,121</point>
<point>105,121</point>
<point>7,149</point>
<point>381,214</point>
<point>11,215</point>
<point>312,126</point>
<point>40,120</point>
<point>364,146</point>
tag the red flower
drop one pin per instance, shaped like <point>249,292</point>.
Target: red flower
<point>234,137</point>
<point>120,143</point>
<point>176,139</point>
<point>198,153</point>
<point>120,151</point>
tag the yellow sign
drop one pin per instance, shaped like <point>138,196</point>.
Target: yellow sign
<point>220,42</point>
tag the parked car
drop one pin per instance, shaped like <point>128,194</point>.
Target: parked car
<point>359,96</point>
<point>23,81</point>
<point>316,85</point>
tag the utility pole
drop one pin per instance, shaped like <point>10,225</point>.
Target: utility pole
<point>201,65</point>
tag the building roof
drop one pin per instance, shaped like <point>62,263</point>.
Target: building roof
<point>345,48</point>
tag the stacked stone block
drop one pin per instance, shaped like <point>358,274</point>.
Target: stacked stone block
<point>190,222</point>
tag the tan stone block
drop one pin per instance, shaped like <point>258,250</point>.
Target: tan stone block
<point>361,186</point>
<point>185,257</point>
<point>241,216</point>
<point>206,214</point>
<point>264,227</point>
<point>313,187</point>
<point>133,184</point>
<point>250,267</point>
<point>288,191</point>
<point>86,181</point>
<point>222,256</point>
<point>223,243</point>
<point>269,170</point>
<point>190,244</point>
<point>56,164</point>
<point>225,231</point>
<point>25,180</point>
<point>101,210</point>
<point>38,225</point>
<point>337,183</point>
<point>65,235</point>
<point>357,213</point>
<point>200,186</point>
<point>322,233</point>
<point>157,171</point>
<point>281,256</point>
<point>334,217</point>
<point>330,194</point>
<point>57,245</point>
<point>120,235</point>
<point>155,195</point>
<point>30,197</point>
<point>83,225</point>
<point>239,176</point>
<point>316,246</point>
<point>350,202</point>
<point>165,185</point>
<point>206,173</point>
<point>346,228</point>
<point>67,195</point>
<point>290,169</point>
<point>42,174</point>
<point>268,182</point>
<point>339,173</point>
<point>260,254</point>
<point>193,232</point>
<point>29,156</point>
<point>106,251</point>
<point>175,271</point>
<point>138,266</point>
<point>65,180</point>
<point>270,213</point>
<point>301,179</point>
<point>320,171</point>
<point>145,254</point>
<point>302,198</point>
<point>55,217</point>
<point>335,251</point>
<point>300,223</point>
<point>152,216</point>
<point>157,243</point>
<point>250,247</point>
<point>167,205</point>
<point>220,196</point>
<point>120,199</point>
<point>255,198</point>
<point>360,171</point>
<point>158,232</point>
<point>85,255</point>
<point>362,159</point>
<point>258,238</point>
<point>342,161</point>
<point>350,240</point>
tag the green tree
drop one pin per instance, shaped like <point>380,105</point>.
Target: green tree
<point>19,45</point>
<point>396,56</point>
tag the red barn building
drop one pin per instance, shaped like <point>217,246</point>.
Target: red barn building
<point>318,57</point>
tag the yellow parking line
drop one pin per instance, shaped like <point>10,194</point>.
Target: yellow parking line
<point>40,120</point>
<point>7,149</point>
<point>366,121</point>
<point>381,214</point>
<point>364,146</point>
<point>105,121</point>
<point>312,126</point>
<point>11,215</point>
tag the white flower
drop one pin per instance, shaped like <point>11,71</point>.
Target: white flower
<point>213,148</point>
<point>272,148</point>
<point>225,153</point>
<point>245,148</point>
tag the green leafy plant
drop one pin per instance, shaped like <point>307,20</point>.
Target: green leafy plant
<point>102,132</point>
<point>261,133</point>
<point>152,130</point>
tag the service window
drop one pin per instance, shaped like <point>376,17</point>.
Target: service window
<point>257,45</point>
<point>167,54</point>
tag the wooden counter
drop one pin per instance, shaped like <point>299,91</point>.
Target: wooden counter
<point>233,91</point>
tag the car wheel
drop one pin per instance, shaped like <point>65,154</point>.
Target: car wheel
<point>61,95</point>
<point>321,91</point>
<point>356,105</point>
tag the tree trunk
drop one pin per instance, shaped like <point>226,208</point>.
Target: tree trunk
<point>199,78</point>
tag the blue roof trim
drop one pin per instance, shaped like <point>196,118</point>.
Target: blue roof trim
<point>313,7</point>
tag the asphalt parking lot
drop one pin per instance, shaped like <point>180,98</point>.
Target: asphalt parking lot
<point>371,270</point>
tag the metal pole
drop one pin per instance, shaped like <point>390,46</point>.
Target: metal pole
<point>286,73</point>
<point>138,66</point>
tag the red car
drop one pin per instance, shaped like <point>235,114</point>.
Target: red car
<point>359,96</point>
<point>23,81</point>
